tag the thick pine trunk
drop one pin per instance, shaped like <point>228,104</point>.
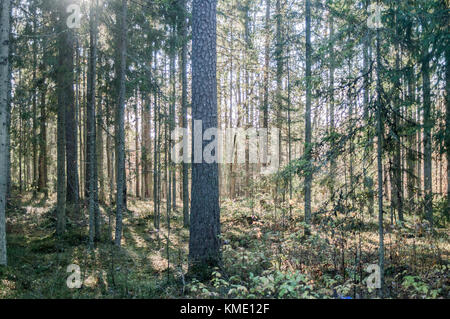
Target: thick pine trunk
<point>204,243</point>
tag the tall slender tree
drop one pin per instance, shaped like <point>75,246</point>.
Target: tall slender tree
<point>447,124</point>
<point>120,126</point>
<point>64,79</point>
<point>184,106</point>
<point>72,189</point>
<point>308,147</point>
<point>94,231</point>
<point>427,126</point>
<point>5,28</point>
<point>380,137</point>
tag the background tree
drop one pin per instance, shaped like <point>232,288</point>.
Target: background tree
<point>4,114</point>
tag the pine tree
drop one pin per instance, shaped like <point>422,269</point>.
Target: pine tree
<point>204,241</point>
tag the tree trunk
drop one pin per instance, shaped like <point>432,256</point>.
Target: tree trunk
<point>35,121</point>
<point>136,144</point>
<point>157,156</point>
<point>172,168</point>
<point>279,75</point>
<point>5,28</point>
<point>412,143</point>
<point>65,100</point>
<point>447,124</point>
<point>331,111</point>
<point>380,166</point>
<point>397,183</point>
<point>427,126</point>
<point>94,232</point>
<point>184,102</point>
<point>308,173</point>
<point>42,181</point>
<point>120,129</point>
<point>368,180</point>
<point>72,190</point>
<point>100,154</point>
<point>266,79</point>
<point>204,241</point>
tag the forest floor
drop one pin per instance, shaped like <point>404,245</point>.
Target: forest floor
<point>265,255</point>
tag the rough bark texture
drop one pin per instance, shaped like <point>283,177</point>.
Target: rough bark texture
<point>204,243</point>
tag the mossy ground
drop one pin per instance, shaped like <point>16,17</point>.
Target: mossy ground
<point>265,254</point>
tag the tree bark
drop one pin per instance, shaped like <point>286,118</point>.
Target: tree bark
<point>204,242</point>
